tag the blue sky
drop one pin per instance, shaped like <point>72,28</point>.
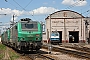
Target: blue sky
<point>39,9</point>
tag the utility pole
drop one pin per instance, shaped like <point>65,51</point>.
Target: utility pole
<point>49,45</point>
<point>12,22</point>
<point>13,19</point>
<point>50,29</point>
<point>86,31</point>
<point>65,15</point>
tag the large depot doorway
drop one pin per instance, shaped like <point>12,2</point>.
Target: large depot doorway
<point>73,36</point>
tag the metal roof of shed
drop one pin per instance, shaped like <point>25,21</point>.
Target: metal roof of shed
<point>75,14</point>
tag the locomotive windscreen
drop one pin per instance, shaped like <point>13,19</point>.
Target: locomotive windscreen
<point>29,26</point>
<point>54,34</point>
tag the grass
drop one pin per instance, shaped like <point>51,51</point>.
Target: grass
<point>1,56</point>
<point>2,47</point>
<point>13,55</point>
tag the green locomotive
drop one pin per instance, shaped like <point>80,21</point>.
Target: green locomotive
<point>25,35</point>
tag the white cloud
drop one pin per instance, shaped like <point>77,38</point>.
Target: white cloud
<point>38,11</point>
<point>74,2</point>
<point>9,11</point>
<point>67,2</point>
<point>43,10</point>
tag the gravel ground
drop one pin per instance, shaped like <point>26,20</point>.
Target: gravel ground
<point>61,56</point>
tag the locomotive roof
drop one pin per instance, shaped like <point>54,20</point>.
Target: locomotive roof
<point>25,19</point>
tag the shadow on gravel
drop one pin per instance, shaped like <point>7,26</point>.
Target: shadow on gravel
<point>31,52</point>
<point>36,52</point>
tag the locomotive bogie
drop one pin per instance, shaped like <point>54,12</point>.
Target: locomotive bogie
<point>28,46</point>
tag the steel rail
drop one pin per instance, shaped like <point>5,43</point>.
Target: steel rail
<point>71,51</point>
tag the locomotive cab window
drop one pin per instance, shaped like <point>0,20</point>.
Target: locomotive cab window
<point>54,34</point>
<point>29,26</point>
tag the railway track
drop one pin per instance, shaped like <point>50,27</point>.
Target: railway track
<point>72,51</point>
<point>83,49</point>
<point>40,55</point>
<point>76,53</point>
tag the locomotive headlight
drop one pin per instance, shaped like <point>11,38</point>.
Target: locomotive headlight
<point>37,38</point>
<point>22,39</point>
<point>37,34</point>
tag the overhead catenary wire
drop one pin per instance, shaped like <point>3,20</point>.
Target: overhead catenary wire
<point>19,5</point>
<point>28,4</point>
<point>23,7</point>
<point>87,11</point>
<point>73,5</point>
<point>76,3</point>
<point>10,3</point>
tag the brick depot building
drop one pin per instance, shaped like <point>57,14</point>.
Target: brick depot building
<point>67,23</point>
